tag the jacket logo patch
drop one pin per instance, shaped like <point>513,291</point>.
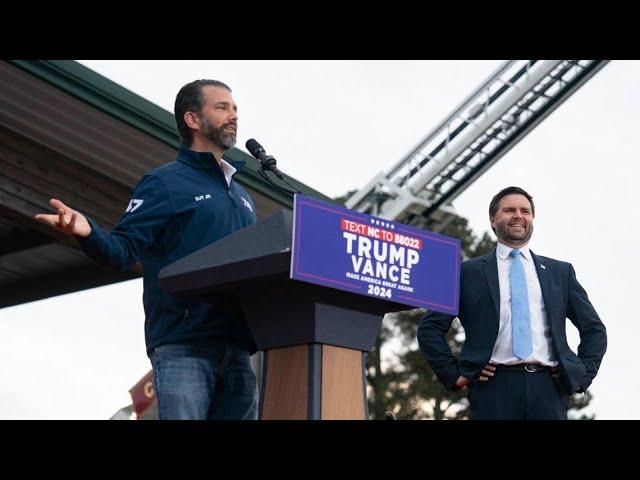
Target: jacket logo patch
<point>202,197</point>
<point>134,204</point>
<point>246,204</point>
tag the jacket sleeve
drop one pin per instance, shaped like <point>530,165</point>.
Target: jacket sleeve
<point>433,344</point>
<point>146,215</point>
<point>593,335</point>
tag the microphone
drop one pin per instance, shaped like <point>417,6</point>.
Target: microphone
<point>266,161</point>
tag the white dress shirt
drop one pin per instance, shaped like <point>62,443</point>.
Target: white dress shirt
<point>540,331</point>
<point>227,169</point>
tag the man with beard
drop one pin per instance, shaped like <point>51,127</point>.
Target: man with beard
<point>514,304</point>
<point>199,351</point>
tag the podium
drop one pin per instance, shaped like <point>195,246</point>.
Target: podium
<point>314,338</point>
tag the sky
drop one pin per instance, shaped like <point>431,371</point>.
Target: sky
<point>334,125</point>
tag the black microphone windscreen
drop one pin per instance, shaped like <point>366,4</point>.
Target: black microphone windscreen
<point>254,147</point>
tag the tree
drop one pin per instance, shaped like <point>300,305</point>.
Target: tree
<point>577,403</point>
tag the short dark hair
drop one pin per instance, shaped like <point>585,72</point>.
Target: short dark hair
<point>189,99</point>
<point>495,201</point>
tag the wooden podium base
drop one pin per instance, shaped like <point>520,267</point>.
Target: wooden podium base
<point>313,382</point>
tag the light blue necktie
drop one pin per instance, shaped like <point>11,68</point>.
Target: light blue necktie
<point>520,317</point>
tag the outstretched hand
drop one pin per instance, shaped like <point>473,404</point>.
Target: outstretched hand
<point>66,220</point>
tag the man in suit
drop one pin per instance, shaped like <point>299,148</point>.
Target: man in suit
<point>514,304</point>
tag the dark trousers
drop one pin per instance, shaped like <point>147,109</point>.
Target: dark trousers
<point>518,395</point>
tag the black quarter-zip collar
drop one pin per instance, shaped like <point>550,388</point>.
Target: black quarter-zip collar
<point>206,160</point>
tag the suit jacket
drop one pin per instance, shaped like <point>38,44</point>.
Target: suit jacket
<point>479,314</point>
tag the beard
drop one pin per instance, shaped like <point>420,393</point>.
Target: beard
<point>517,236</point>
<point>219,136</point>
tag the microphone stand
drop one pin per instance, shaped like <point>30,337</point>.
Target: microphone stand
<point>269,164</point>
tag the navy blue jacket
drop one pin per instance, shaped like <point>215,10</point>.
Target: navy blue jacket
<point>177,209</point>
<point>479,314</point>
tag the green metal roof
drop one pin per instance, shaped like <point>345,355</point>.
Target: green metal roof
<point>115,100</point>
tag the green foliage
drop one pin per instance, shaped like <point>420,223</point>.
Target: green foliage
<point>577,403</point>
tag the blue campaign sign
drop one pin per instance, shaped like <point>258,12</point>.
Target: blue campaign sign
<point>346,250</point>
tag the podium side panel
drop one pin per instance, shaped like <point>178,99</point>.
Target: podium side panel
<point>287,384</point>
<point>342,384</point>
